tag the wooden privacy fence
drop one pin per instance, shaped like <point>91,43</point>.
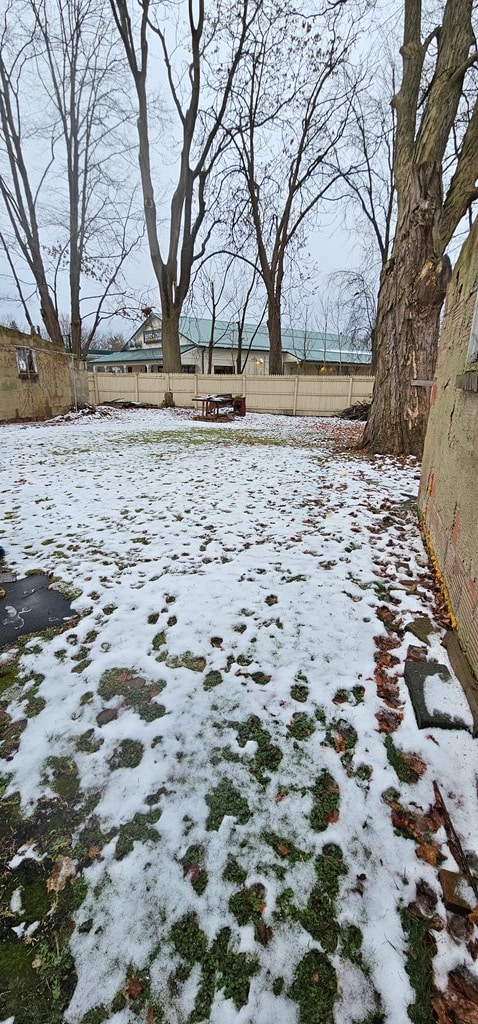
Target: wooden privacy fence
<point>290,395</point>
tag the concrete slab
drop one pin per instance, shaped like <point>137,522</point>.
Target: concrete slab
<point>417,677</point>
<point>30,606</point>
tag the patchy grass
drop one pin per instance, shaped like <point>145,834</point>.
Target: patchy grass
<point>195,663</point>
<point>285,848</point>
<point>128,754</point>
<point>139,830</point>
<point>225,800</point>
<point>421,950</point>
<point>318,917</point>
<point>299,692</point>
<point>194,869</point>
<point>212,679</point>
<point>267,756</point>
<point>233,872</point>
<point>405,765</point>
<point>314,988</point>
<point>326,796</point>
<point>301,726</point>
<point>220,967</point>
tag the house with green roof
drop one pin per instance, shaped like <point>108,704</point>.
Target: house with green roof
<point>234,348</point>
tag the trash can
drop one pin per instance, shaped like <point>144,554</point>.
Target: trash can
<point>239,404</point>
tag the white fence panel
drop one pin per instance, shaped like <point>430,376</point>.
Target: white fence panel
<point>291,395</point>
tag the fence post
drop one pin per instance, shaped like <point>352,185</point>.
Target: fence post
<point>294,400</point>
<point>351,384</point>
<point>136,387</point>
<point>97,390</point>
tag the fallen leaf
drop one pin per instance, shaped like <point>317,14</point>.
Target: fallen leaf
<point>428,853</point>
<point>283,849</point>
<point>133,988</point>
<point>63,869</point>
<point>432,738</point>
<point>388,721</point>
<point>415,764</point>
<point>262,933</point>
<point>193,872</point>
<point>279,797</point>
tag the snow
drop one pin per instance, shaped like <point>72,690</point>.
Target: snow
<point>447,697</point>
<point>259,551</point>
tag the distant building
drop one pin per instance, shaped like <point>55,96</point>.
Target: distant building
<point>304,351</point>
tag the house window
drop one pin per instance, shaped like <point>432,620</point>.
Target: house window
<point>153,337</point>
<point>226,370</point>
<point>472,356</point>
<point>188,369</point>
<point>27,363</point>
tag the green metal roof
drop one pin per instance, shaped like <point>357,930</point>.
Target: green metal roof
<point>134,355</point>
<point>305,345</point>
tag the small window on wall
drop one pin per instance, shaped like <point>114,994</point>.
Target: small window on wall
<point>225,370</point>
<point>472,356</point>
<point>27,363</point>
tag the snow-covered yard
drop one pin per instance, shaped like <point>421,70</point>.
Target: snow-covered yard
<point>217,805</point>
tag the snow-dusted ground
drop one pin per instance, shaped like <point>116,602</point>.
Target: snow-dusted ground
<point>258,552</point>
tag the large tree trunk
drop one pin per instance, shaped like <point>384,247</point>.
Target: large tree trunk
<point>275,336</point>
<point>412,290</point>
<point>170,337</point>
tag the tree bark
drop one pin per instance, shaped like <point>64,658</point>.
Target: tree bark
<point>412,290</point>
<point>413,281</point>
<point>275,336</point>
<point>170,335</point>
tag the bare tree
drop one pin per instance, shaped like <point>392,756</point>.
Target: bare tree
<point>66,212</point>
<point>413,281</point>
<point>200,130</point>
<point>226,286</point>
<point>357,301</point>
<point>366,165</point>
<point>210,288</point>
<point>291,112</point>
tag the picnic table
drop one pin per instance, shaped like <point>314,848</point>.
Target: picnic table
<point>212,406</point>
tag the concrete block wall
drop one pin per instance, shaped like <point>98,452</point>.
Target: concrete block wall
<point>448,497</point>
<point>49,392</point>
